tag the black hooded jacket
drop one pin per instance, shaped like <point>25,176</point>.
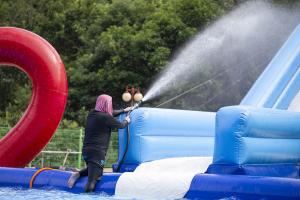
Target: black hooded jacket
<point>98,130</point>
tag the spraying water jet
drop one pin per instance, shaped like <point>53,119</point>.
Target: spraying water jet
<point>242,38</point>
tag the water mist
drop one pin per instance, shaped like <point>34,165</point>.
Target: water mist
<point>248,36</point>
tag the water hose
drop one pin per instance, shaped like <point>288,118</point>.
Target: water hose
<point>37,173</point>
<point>128,137</point>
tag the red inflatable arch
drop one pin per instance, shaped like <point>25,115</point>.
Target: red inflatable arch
<point>40,61</point>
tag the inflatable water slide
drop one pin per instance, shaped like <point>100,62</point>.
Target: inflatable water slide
<point>246,151</point>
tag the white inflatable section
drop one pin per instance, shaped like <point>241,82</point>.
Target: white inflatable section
<point>161,179</point>
<point>295,104</point>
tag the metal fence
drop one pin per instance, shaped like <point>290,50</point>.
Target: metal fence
<point>64,150</point>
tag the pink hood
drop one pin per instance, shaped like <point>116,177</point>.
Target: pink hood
<point>104,104</point>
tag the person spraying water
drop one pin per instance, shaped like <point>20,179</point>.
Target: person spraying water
<point>100,121</point>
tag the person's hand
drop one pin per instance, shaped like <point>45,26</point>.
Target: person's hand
<point>127,109</point>
<point>127,118</point>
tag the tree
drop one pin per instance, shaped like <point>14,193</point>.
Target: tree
<point>107,45</point>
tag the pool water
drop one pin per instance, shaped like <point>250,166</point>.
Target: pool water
<point>36,194</point>
<point>7,193</point>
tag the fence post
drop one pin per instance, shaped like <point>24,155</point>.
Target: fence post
<point>80,148</point>
<point>42,159</point>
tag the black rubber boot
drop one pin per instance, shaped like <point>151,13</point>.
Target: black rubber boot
<point>90,186</point>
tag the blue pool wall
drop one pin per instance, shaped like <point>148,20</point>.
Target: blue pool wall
<point>53,179</point>
<point>203,186</point>
<point>164,133</point>
<point>260,136</point>
<point>247,135</point>
<point>256,141</point>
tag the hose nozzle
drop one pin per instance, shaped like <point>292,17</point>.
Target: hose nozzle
<point>135,106</point>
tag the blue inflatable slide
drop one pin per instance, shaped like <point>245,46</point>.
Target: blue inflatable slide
<point>255,145</point>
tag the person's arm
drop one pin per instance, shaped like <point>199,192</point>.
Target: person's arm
<point>114,123</point>
<point>117,112</point>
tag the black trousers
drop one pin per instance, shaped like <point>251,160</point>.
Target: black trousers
<point>95,160</point>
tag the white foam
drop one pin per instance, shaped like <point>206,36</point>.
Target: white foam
<point>161,179</point>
